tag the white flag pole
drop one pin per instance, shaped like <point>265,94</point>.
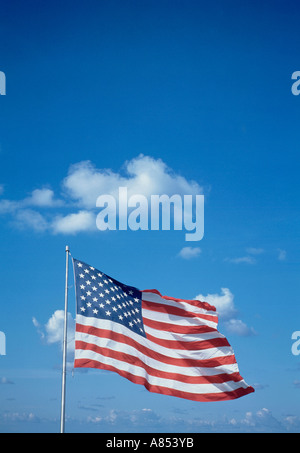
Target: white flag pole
<point>63,388</point>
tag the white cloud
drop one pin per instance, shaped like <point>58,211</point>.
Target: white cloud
<point>82,186</point>
<point>142,175</point>
<point>23,216</point>
<point>134,418</point>
<point>149,176</point>
<point>260,421</point>
<point>38,327</point>
<point>85,183</point>
<point>35,322</point>
<point>74,223</point>
<point>42,198</point>
<point>115,420</point>
<point>189,252</point>
<point>54,327</point>
<point>37,198</point>
<point>20,417</point>
<point>52,332</point>
<point>263,421</point>
<point>226,310</point>
<point>223,302</point>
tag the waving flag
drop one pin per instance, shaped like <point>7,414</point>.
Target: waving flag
<point>171,346</point>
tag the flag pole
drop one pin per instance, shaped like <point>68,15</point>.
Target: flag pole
<point>63,388</point>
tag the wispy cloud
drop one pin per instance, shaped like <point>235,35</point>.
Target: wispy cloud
<point>249,258</point>
<point>242,259</point>
<point>282,255</point>
<point>254,251</point>
<point>296,384</point>
<point>28,218</point>
<point>238,327</point>
<point>254,254</point>
<point>4,380</point>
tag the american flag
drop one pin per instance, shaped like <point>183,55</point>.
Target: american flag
<point>171,346</point>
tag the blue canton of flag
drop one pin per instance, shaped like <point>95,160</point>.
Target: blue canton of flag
<point>103,297</point>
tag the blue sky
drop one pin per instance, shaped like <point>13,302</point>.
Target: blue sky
<point>195,96</point>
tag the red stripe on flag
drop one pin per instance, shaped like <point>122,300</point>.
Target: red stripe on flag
<point>185,330</point>
<point>169,309</point>
<point>221,396</point>
<point>133,360</point>
<point>194,302</point>
<point>190,345</point>
<point>185,362</point>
